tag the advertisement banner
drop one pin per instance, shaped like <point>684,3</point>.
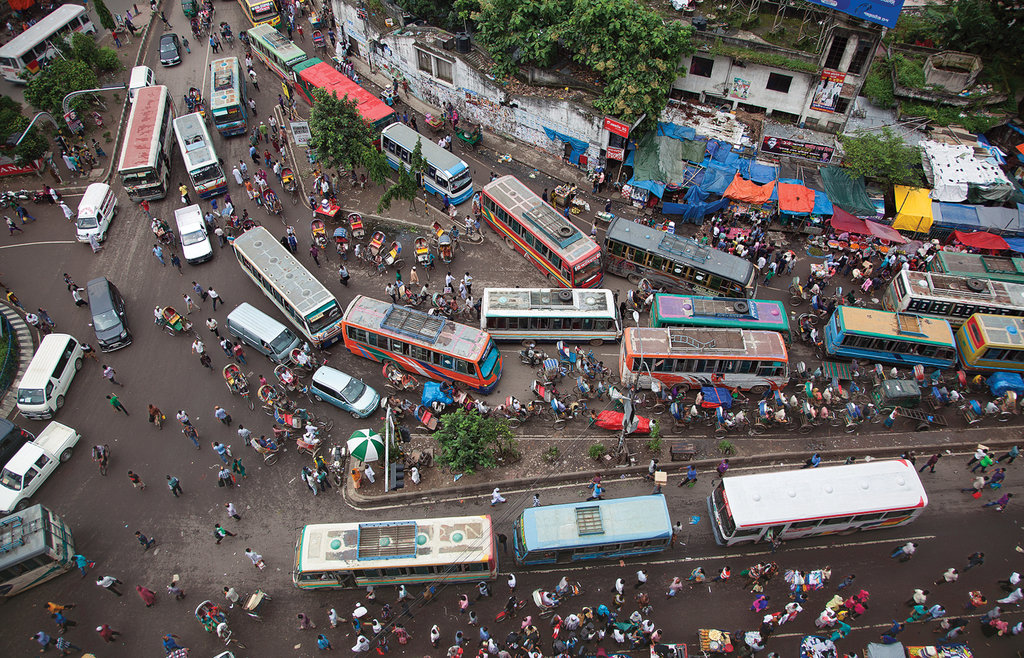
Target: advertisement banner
<point>826,94</point>
<point>740,89</point>
<point>12,169</point>
<point>780,146</point>
<point>882,12</point>
<point>616,127</point>
<point>614,153</point>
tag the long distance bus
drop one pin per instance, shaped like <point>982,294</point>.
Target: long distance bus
<point>275,50</point>
<point>952,298</point>
<point>794,504</point>
<point>261,12</point>
<point>550,314</point>
<point>675,263</point>
<point>445,173</point>
<point>201,163</point>
<point>25,55</point>
<point>692,357</point>
<point>991,342</point>
<point>691,311</point>
<point>898,338</point>
<point>420,343</point>
<point>314,73</point>
<point>228,104</point>
<point>551,242</point>
<point>981,266</point>
<point>35,546</point>
<point>306,302</point>
<point>145,166</point>
<point>350,555</point>
<point>592,530</point>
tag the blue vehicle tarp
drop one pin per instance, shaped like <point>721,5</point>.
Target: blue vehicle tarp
<point>579,147</point>
<point>1001,382</point>
<point>432,392</point>
<point>951,216</point>
<point>762,173</point>
<point>716,397</point>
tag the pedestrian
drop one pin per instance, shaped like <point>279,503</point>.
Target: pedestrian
<point>68,213</point>
<point>147,595</point>
<point>977,485</point>
<point>215,296</point>
<point>147,542</point>
<point>496,497</point>
<point>211,324</point>
<point>115,402</point>
<point>983,463</point>
<point>344,275</point>
<point>109,373</point>
<point>305,622</point>
<point>106,632</point>
<point>722,467</point>
<point>930,464</point>
<point>222,415</point>
<point>813,462</point>
<point>503,540</point>
<point>189,304</point>
<point>232,511</point>
<point>1001,503</point>
<point>691,477</point>
<point>82,563</point>
<point>13,226</point>
<point>63,622</point>
<point>950,575</point>
<point>23,214</point>
<point>174,485</point>
<point>978,454</point>
<point>228,347</point>
<point>641,578</point>
<point>975,559</point>
<point>255,558</point>
<point>904,552</point>
<point>239,353</point>
<point>136,481</point>
<point>110,584</point>
<point>323,643</point>
<point>220,533</point>
<point>224,478</point>
<point>176,262</point>
<point>183,191</point>
<point>238,468</point>
<point>66,647</point>
<point>1010,455</point>
<point>159,253</point>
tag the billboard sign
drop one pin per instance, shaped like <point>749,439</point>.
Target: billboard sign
<point>826,94</point>
<point>807,150</point>
<point>616,127</point>
<point>882,12</point>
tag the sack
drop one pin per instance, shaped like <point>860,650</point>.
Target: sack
<point>976,495</point>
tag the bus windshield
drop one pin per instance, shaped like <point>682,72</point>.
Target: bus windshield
<point>489,361</point>
<point>727,523</point>
<point>590,269</point>
<point>208,173</point>
<point>459,181</point>
<point>324,318</point>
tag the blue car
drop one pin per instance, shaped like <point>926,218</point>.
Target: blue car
<point>344,391</point>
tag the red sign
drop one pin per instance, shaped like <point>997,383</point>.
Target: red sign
<point>617,127</point>
<point>14,170</point>
<point>614,153</point>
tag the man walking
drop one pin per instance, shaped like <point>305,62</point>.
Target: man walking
<point>147,542</point>
<point>222,415</point>
<point>174,485</point>
<point>214,296</point>
<point>232,511</point>
<point>930,464</point>
<point>109,373</point>
<point>159,253</point>
<point>220,533</point>
<point>115,402</point>
<point>109,583</point>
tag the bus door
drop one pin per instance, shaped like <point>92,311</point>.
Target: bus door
<point>563,556</point>
<point>345,579</point>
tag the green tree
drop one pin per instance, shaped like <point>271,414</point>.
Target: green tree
<point>47,90</point>
<point>14,123</point>
<point>407,185</point>
<point>470,441</point>
<point>376,164</point>
<point>106,20</point>
<point>884,157</point>
<point>338,133</point>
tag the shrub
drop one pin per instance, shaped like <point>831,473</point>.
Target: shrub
<point>597,451</point>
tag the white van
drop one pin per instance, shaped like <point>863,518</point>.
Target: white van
<point>42,389</point>
<point>142,76</point>
<point>96,211</point>
<point>195,243</point>
<point>262,332</point>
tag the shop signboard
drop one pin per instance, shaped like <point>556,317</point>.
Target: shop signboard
<point>616,127</point>
<point>614,153</point>
<point>806,150</point>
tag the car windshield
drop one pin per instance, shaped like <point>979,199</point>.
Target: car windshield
<point>87,222</point>
<point>106,320</point>
<point>11,480</point>
<point>167,47</point>
<point>193,238</point>
<point>284,339</point>
<point>30,396</point>
<point>354,389</point>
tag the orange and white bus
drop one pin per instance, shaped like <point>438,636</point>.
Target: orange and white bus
<point>421,343</point>
<point>691,357</point>
<point>551,242</point>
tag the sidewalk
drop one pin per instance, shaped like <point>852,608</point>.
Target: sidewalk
<point>26,348</point>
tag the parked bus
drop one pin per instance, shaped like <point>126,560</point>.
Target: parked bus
<point>991,342</point>
<point>306,302</point>
<point>549,314</point>
<point>981,266</point>
<point>228,103</point>
<point>794,504</point>
<point>262,12</point>
<point>952,298</point>
<point>420,343</point>
<point>675,263</point>
<point>314,73</point>
<point>551,242</point>
<point>592,530</point>
<point>898,338</point>
<point>201,163</point>
<point>26,54</point>
<point>691,357</point>
<point>275,50</point>
<point>690,311</point>
<point>445,172</point>
<point>356,555</point>
<point>35,546</point>
<point>145,165</point>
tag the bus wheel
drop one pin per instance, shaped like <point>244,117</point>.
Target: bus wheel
<point>922,427</point>
<point>634,278</point>
<point>510,243</point>
<point>758,390</point>
<point>596,342</point>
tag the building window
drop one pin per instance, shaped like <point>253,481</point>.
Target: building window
<point>860,56</point>
<point>779,82</point>
<point>701,66</point>
<point>842,105</point>
<point>434,66</point>
<point>443,70</point>
<point>835,53</point>
<point>426,65</point>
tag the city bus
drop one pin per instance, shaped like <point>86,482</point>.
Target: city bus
<point>26,54</point>
<point>812,502</point>
<point>314,73</point>
<point>201,163</point>
<point>991,343</point>
<point>675,263</point>
<point>445,172</point>
<point>445,550</point>
<point>228,103</point>
<point>952,298</point>
<point>35,546</point>
<point>306,302</point>
<point>551,242</point>
<point>420,343</point>
<point>145,164</point>
<point>275,50</point>
<point>691,311</point>
<point>550,314</point>
<point>882,336</point>
<point>261,12</point>
<point>592,530</point>
<point>692,357</point>
<point>981,266</point>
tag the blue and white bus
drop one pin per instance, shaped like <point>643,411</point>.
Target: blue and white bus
<point>445,173</point>
<point>200,157</point>
<point>898,338</point>
<point>591,530</point>
<point>228,104</point>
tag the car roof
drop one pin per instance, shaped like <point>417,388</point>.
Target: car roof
<point>332,377</point>
<point>24,458</point>
<point>101,288</point>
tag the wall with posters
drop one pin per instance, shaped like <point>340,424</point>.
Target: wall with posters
<point>808,151</point>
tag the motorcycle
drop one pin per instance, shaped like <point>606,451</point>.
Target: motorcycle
<point>531,356</point>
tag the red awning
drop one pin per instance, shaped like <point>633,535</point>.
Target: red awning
<point>884,232</point>
<point>844,222</point>
<point>981,240</point>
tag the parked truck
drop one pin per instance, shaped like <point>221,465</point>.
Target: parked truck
<point>33,463</point>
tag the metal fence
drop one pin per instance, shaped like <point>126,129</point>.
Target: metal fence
<point>10,363</point>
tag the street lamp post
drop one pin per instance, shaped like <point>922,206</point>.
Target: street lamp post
<point>634,384</point>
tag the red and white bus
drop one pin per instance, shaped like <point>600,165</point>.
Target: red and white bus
<point>551,242</point>
<point>145,166</point>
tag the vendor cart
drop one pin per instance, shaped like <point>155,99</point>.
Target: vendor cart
<point>328,210</point>
<point>715,641</point>
<point>435,123</point>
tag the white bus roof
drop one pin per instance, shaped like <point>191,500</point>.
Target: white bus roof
<point>44,29</point>
<point>958,288</point>
<point>707,342</point>
<point>438,157</point>
<point>526,302</point>
<point>814,493</point>
<point>225,84</point>
<point>142,139</point>
<point>194,140</point>
<point>283,270</point>
<point>22,535</point>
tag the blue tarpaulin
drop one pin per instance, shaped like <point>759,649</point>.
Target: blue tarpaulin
<point>1017,244</point>
<point>761,173</point>
<point>654,187</point>
<point>1001,382</point>
<point>675,131</point>
<point>693,212</point>
<point>432,392</point>
<point>822,206</point>
<point>716,397</point>
<point>955,216</point>
<point>579,147</point>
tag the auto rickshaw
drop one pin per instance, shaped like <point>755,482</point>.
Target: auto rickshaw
<point>188,7</point>
<point>893,393</point>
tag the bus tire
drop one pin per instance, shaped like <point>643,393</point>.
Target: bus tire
<point>510,243</point>
<point>758,390</point>
<point>596,342</point>
<point>634,278</point>
<point>565,295</point>
<point>22,504</point>
<point>922,427</point>
<point>741,307</point>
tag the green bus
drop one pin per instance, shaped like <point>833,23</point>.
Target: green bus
<point>693,311</point>
<point>978,266</point>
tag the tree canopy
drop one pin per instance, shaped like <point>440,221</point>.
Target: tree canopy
<point>47,90</point>
<point>884,157</point>
<point>469,441</point>
<point>14,123</point>
<point>106,20</point>
<point>338,133</point>
<point>407,185</point>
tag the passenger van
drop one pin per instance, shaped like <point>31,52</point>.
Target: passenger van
<point>142,76</point>
<point>95,212</point>
<point>42,389</point>
<point>344,391</point>
<point>195,243</point>
<point>262,332</point>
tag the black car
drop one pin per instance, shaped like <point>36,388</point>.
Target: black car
<point>12,438</point>
<point>109,320</point>
<point>170,49</point>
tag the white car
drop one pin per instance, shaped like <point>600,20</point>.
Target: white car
<point>195,243</point>
<point>32,464</point>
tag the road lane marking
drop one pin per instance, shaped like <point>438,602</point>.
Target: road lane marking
<point>36,244</point>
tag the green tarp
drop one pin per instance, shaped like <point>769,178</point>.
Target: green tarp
<point>660,159</point>
<point>847,192</point>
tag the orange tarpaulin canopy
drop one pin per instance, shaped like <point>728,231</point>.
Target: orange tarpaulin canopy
<point>20,5</point>
<point>795,198</point>
<point>750,192</point>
